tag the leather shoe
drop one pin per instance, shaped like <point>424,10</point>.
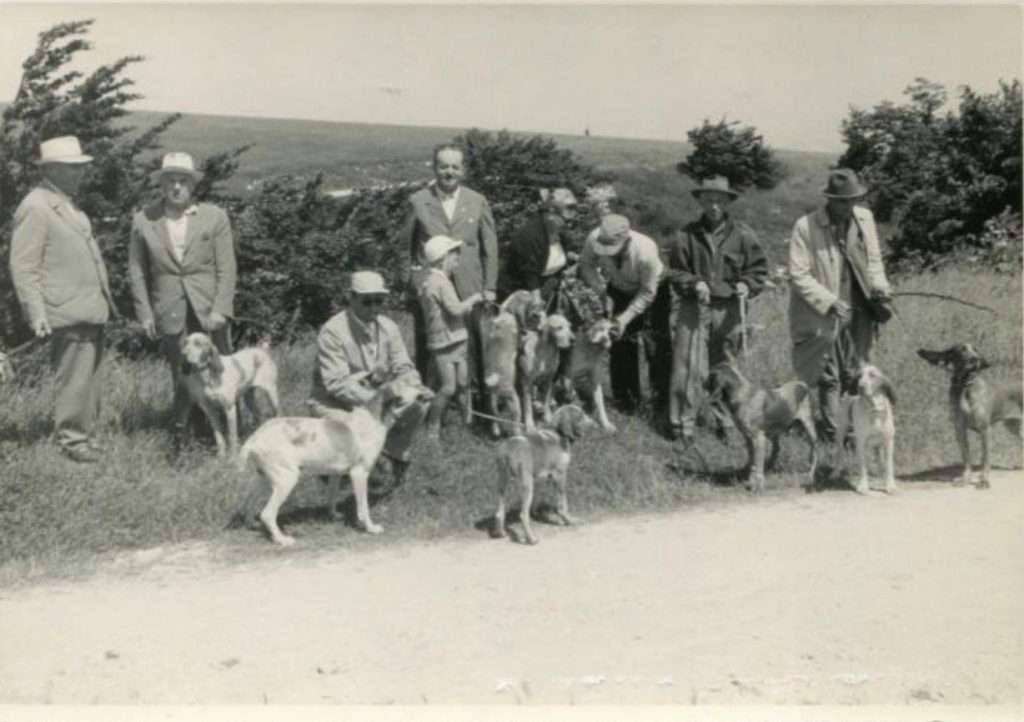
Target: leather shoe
<point>80,453</point>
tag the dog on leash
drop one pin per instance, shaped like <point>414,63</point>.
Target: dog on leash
<point>347,443</point>
<point>975,404</point>
<point>762,416</point>
<point>543,453</point>
<point>217,383</point>
<point>870,414</point>
<point>585,361</point>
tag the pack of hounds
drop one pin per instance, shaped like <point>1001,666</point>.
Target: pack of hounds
<point>523,357</point>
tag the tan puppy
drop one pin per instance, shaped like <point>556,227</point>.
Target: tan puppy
<point>975,404</point>
<point>874,427</point>
<point>539,361</point>
<point>585,362</point>
<point>347,443</point>
<point>216,383</point>
<point>537,455</point>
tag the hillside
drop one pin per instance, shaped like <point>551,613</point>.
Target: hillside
<point>354,154</point>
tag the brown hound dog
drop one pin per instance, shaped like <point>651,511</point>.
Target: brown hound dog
<point>762,416</point>
<point>975,404</point>
<point>536,455</point>
<point>539,363</point>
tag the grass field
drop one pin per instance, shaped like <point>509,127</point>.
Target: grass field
<point>58,518</point>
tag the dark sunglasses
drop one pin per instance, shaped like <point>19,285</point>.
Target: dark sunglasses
<point>372,301</point>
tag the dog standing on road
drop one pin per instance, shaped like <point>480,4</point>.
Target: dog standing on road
<point>537,455</point>
<point>975,404</point>
<point>762,416</point>
<point>870,413</point>
<point>217,383</point>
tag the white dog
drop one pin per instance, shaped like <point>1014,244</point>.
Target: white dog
<point>874,427</point>
<point>344,443</point>
<point>217,382</point>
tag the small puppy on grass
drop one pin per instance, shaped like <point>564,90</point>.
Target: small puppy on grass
<point>870,413</point>
<point>976,404</point>
<point>544,453</point>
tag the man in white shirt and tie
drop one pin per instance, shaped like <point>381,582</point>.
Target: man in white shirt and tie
<point>182,268</point>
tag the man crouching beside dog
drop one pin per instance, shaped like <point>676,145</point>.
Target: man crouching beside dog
<point>358,341</point>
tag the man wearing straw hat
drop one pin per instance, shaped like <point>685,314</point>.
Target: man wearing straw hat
<point>839,292</point>
<point>181,262</point>
<point>61,282</point>
<point>717,264</point>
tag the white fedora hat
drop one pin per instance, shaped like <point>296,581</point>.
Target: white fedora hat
<point>368,282</point>
<point>178,162</point>
<point>63,149</point>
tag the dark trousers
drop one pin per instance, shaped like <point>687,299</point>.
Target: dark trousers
<point>649,332</point>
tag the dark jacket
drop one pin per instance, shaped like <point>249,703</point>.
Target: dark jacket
<point>738,256</point>
<point>527,257</point>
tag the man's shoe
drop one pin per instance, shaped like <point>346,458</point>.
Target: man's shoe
<point>80,453</point>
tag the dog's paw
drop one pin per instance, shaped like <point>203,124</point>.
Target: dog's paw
<point>983,484</point>
<point>569,520</point>
<point>285,540</point>
<point>862,488</point>
<point>609,427</point>
<point>371,528</point>
<point>498,531</point>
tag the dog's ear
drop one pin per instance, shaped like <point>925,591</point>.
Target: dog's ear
<point>885,387</point>
<point>213,358</point>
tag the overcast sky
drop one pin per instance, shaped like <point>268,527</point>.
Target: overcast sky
<point>637,71</point>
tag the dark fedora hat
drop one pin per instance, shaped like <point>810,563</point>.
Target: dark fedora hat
<point>718,184</point>
<point>844,183</point>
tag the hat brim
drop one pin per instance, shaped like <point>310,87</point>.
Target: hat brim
<point>605,249</point>
<point>844,196</point>
<point>375,292</point>
<point>194,174</point>
<point>66,160</point>
<point>729,192</point>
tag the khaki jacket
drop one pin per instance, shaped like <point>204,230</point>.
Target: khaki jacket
<point>56,266</point>
<point>164,287</point>
<point>815,264</point>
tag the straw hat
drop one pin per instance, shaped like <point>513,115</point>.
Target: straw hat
<point>613,235</point>
<point>369,283</point>
<point>178,162</point>
<point>64,149</point>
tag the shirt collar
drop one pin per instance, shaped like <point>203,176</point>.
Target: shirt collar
<point>441,195</point>
<point>359,328</point>
<point>52,187</point>
<point>190,211</point>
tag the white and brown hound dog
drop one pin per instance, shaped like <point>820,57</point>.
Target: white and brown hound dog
<point>216,383</point>
<point>870,412</point>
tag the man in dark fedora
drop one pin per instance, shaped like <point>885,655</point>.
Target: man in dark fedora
<point>716,263</point>
<point>839,292</point>
<point>181,263</point>
<point>61,282</point>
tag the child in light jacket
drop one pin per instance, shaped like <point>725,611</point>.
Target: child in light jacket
<point>447,337</point>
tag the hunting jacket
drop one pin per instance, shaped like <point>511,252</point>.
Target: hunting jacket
<point>720,259</point>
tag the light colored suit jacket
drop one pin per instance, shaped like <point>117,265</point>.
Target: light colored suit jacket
<point>56,266</point>
<point>163,287</point>
<point>815,266</point>
<point>472,223</point>
<point>341,347</point>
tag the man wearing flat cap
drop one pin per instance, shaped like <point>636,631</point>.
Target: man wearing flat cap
<point>716,263</point>
<point>181,263</point>
<point>358,341</point>
<point>61,282</point>
<point>839,292</point>
<point>627,266</point>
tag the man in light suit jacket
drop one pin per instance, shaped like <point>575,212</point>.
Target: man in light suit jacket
<point>839,292</point>
<point>61,282</point>
<point>448,208</point>
<point>181,263</point>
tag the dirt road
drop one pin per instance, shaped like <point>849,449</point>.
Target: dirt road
<point>829,598</point>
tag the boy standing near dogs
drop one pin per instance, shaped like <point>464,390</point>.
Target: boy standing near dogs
<point>716,265</point>
<point>446,336</point>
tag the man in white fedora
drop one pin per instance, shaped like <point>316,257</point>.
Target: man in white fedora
<point>181,263</point>
<point>61,282</point>
<point>627,266</point>
<point>840,292</point>
<point>362,339</point>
